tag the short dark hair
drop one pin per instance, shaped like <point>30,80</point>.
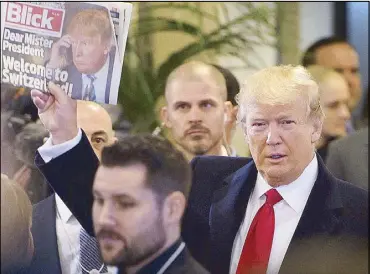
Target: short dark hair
<point>167,168</point>
<point>232,84</point>
<point>309,57</point>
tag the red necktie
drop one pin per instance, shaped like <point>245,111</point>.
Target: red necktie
<point>257,247</point>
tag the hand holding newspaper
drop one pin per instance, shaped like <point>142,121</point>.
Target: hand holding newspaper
<point>77,45</point>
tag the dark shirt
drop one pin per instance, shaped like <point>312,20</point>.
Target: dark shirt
<point>323,151</point>
<point>156,264</point>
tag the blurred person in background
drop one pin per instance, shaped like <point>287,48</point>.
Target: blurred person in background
<point>334,99</point>
<point>348,158</point>
<point>196,109</point>
<point>232,88</point>
<point>28,176</point>
<point>336,53</point>
<point>58,236</point>
<point>17,110</point>
<point>121,126</point>
<point>16,220</point>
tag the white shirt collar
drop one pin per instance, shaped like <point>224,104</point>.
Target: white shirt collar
<point>296,193</point>
<point>102,72</point>
<point>223,151</point>
<point>64,213</point>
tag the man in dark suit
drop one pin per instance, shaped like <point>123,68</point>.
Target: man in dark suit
<point>273,213</point>
<point>89,43</point>
<point>319,223</point>
<point>140,192</point>
<point>55,230</point>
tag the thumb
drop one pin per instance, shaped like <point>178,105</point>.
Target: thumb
<point>57,92</point>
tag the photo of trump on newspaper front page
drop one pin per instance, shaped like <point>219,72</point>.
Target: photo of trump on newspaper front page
<point>77,45</point>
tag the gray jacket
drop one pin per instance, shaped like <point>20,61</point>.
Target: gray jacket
<point>348,158</point>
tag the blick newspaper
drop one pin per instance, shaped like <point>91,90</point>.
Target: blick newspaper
<point>78,45</point>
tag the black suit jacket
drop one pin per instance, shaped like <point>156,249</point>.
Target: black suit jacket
<point>331,236</point>
<point>183,264</point>
<point>46,255</point>
<point>78,167</point>
<point>75,77</point>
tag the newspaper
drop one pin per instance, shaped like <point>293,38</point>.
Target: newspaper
<point>78,45</point>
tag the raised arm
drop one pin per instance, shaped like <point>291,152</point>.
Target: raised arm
<point>67,159</point>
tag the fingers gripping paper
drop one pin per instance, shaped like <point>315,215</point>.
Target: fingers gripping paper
<point>78,45</point>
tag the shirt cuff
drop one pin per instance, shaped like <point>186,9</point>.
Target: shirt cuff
<point>48,151</point>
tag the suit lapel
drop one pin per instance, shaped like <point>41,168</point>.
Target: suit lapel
<point>227,212</point>
<point>46,258</point>
<point>321,216</point>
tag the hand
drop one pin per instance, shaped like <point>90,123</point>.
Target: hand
<point>58,59</point>
<point>57,112</point>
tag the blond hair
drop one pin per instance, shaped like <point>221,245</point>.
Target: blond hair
<point>92,22</point>
<point>16,214</point>
<point>279,85</point>
<point>198,71</point>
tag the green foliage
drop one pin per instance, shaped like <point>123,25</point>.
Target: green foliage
<point>142,83</point>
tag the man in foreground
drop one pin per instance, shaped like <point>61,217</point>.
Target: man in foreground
<point>273,213</point>
<point>137,198</point>
<point>60,241</point>
<point>281,211</point>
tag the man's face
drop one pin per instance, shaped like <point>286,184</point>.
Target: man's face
<point>97,125</point>
<point>89,52</point>
<point>334,100</point>
<point>195,115</point>
<point>127,218</point>
<point>280,139</point>
<point>344,59</point>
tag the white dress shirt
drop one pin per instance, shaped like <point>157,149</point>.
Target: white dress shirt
<point>67,226</point>
<point>287,215</point>
<point>100,82</point>
<point>48,151</point>
<point>68,231</point>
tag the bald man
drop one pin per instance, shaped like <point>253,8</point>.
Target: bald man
<point>195,109</point>
<point>55,230</point>
<point>96,123</point>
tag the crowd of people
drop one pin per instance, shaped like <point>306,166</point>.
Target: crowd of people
<point>80,194</point>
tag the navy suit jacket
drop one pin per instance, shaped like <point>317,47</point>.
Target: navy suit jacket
<point>46,255</point>
<point>335,217</point>
<point>331,236</point>
<point>77,195</point>
<point>75,77</point>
